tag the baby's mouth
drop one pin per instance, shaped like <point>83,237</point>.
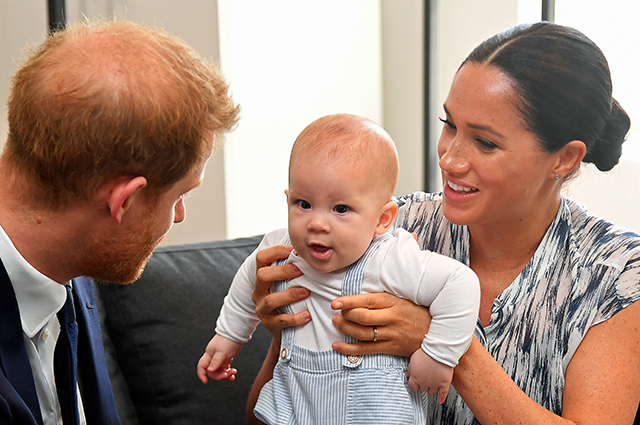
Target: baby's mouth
<point>321,252</point>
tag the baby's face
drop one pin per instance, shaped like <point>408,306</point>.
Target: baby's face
<point>333,213</point>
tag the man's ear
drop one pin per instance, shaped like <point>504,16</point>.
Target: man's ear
<point>569,157</point>
<point>389,212</point>
<point>119,198</point>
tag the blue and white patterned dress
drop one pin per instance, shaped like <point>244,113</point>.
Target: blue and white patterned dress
<point>584,271</point>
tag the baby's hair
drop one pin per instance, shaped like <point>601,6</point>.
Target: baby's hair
<point>352,139</point>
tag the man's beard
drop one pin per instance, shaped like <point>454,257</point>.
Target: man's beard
<point>121,258</point>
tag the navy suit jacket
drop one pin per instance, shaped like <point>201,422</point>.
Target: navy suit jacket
<point>18,399</point>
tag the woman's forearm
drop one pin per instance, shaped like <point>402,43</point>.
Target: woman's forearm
<point>492,395</point>
<point>601,380</point>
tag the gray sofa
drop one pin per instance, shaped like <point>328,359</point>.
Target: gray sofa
<point>156,329</point>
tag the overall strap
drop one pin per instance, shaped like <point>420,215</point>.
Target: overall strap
<point>352,283</point>
<point>286,341</point>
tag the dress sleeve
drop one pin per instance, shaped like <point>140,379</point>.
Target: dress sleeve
<point>625,290</point>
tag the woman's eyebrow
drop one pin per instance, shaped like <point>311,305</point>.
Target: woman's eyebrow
<point>476,126</point>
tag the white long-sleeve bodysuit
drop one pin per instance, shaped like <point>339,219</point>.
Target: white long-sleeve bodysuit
<point>392,264</point>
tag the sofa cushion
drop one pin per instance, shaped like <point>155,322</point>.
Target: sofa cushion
<point>160,325</point>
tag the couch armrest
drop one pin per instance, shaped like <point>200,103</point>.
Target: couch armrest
<point>160,325</point>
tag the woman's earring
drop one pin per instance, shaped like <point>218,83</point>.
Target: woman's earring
<point>557,177</point>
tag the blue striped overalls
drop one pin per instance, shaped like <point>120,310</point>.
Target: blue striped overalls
<point>326,387</point>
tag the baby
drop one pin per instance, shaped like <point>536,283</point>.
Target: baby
<point>342,173</point>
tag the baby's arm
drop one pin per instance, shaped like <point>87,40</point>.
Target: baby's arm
<point>449,288</point>
<point>429,375</point>
<point>451,291</point>
<point>236,323</point>
<point>237,319</point>
<point>215,363</point>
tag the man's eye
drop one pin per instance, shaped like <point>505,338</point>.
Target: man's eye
<point>341,209</point>
<point>304,204</point>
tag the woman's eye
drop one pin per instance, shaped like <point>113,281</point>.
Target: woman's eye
<point>447,123</point>
<point>304,204</point>
<point>341,209</point>
<point>485,144</point>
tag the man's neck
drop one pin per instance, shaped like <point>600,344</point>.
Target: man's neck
<point>48,240</point>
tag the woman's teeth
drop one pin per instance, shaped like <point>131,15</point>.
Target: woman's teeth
<point>459,188</point>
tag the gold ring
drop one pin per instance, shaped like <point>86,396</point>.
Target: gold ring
<point>375,334</point>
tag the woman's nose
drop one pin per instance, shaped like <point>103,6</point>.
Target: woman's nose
<point>452,156</point>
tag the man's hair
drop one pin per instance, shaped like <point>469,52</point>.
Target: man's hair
<point>101,100</point>
<point>354,140</point>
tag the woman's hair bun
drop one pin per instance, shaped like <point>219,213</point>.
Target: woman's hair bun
<point>605,152</point>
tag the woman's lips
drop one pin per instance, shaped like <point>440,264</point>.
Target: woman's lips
<point>458,193</point>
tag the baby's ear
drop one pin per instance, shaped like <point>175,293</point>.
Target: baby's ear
<point>387,217</point>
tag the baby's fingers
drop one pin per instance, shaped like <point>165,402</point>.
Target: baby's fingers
<point>218,361</point>
<point>413,385</point>
<point>223,373</point>
<point>203,364</point>
<point>443,391</point>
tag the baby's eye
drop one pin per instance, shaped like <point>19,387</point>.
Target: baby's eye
<point>304,204</point>
<point>341,209</point>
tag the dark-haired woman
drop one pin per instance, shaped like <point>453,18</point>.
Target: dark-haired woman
<point>558,339</point>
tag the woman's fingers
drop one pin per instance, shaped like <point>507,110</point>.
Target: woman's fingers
<point>267,303</point>
<point>274,253</point>
<point>267,274</point>
<point>400,324</point>
<point>363,333</point>
<point>275,321</point>
<point>365,301</point>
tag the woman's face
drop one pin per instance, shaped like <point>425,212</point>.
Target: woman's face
<point>493,168</point>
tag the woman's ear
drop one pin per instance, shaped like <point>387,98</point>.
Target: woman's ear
<point>387,217</point>
<point>569,157</point>
<point>121,194</point>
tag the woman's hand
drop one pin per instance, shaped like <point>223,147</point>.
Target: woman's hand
<point>266,309</point>
<point>268,303</point>
<point>400,324</point>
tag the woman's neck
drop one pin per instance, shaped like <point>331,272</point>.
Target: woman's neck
<point>499,252</point>
<point>511,240</point>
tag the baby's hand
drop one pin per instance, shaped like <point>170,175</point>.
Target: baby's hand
<point>215,363</point>
<point>429,375</point>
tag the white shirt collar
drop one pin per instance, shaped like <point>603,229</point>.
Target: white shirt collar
<point>39,297</point>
